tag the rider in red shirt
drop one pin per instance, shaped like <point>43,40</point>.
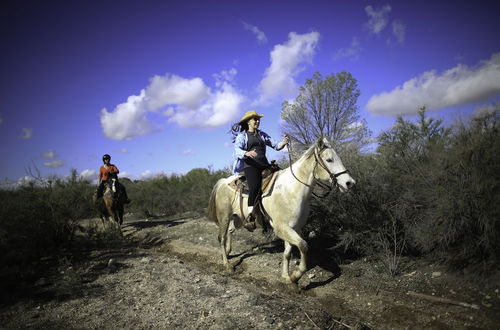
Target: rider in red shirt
<point>109,171</point>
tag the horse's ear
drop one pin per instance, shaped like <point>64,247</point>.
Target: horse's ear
<point>320,143</point>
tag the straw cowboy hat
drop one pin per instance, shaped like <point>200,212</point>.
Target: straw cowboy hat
<point>248,115</point>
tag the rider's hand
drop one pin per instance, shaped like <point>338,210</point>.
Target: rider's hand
<point>252,153</point>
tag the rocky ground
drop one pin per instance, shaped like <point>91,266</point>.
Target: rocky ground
<point>168,274</point>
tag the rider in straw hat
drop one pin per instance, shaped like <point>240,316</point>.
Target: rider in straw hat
<point>250,147</point>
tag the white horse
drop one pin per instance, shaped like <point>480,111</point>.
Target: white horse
<point>287,205</point>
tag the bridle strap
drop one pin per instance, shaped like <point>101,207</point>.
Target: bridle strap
<point>318,182</point>
<point>289,147</point>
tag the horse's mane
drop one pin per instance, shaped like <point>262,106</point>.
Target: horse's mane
<point>320,142</point>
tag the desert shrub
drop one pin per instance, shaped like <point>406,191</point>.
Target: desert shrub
<point>464,217</point>
<point>41,216</point>
<point>168,195</point>
<point>430,189</point>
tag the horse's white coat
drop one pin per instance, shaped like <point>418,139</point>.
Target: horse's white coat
<point>288,205</point>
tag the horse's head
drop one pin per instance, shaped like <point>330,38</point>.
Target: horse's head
<point>330,166</point>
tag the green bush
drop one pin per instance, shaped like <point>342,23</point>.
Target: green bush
<point>164,196</point>
<point>430,189</point>
<point>41,216</point>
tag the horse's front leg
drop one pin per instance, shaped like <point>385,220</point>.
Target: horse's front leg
<point>290,235</point>
<point>285,274</point>
<point>302,268</point>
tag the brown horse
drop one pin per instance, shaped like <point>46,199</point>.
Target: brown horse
<point>109,206</point>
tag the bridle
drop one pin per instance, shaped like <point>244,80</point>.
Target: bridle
<point>318,161</point>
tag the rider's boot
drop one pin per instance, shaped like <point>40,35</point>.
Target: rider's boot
<point>249,223</point>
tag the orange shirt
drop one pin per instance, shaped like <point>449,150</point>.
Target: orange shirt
<point>105,172</point>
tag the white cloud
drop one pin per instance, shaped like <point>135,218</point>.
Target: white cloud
<point>89,174</point>
<point>351,52</point>
<point>188,102</point>
<point>128,120</point>
<point>122,150</point>
<point>378,18</point>
<point>187,152</point>
<point>54,163</point>
<point>261,36</point>
<point>50,154</point>
<point>279,78</point>
<point>399,31</point>
<point>456,86</point>
<point>27,134</point>
<point>172,89</point>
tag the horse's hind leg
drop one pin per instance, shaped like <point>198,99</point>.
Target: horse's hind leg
<point>225,241</point>
<point>229,238</point>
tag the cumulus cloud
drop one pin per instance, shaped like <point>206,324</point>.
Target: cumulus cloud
<point>378,18</point>
<point>54,163</point>
<point>128,120</point>
<point>261,36</point>
<point>122,150</point>
<point>456,86</point>
<point>89,174</point>
<point>279,77</point>
<point>27,134</point>
<point>352,52</point>
<point>399,31</point>
<point>187,102</point>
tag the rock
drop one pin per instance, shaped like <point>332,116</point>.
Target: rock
<point>146,260</point>
<point>269,319</point>
<point>312,234</point>
<point>435,274</point>
<point>111,263</point>
<point>311,276</point>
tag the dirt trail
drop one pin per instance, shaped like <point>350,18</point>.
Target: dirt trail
<point>172,277</point>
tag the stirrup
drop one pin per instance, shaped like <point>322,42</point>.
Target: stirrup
<point>250,223</point>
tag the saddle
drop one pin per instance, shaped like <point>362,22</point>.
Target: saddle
<point>240,185</point>
<point>268,176</point>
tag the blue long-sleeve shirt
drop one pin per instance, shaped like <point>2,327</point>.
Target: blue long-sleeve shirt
<point>241,147</point>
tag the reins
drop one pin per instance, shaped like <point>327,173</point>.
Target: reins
<point>318,182</point>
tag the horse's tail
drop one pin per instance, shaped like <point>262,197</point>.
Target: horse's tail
<point>212,210</point>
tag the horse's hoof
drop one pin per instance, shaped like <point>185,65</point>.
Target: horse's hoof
<point>287,280</point>
<point>230,268</point>
<point>291,286</point>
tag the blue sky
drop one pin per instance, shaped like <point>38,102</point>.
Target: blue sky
<point>157,84</point>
